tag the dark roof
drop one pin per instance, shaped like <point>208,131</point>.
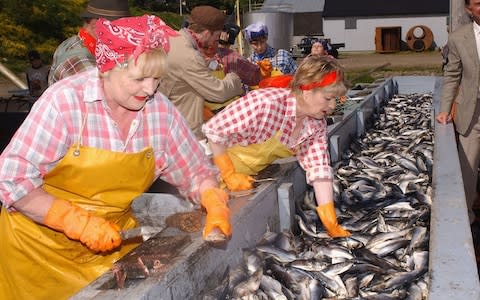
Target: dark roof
<point>373,8</point>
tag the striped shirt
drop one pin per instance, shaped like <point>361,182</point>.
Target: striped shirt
<point>54,123</point>
<point>260,114</point>
<point>71,57</point>
<point>280,59</point>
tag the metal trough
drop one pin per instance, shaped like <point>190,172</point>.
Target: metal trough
<point>199,266</point>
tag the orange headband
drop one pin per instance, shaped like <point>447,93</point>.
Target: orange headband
<point>328,79</point>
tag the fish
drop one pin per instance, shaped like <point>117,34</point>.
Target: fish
<point>383,195</point>
<point>308,265</point>
<point>272,288</point>
<point>278,254</point>
<point>249,285</point>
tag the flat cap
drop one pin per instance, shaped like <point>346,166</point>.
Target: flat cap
<point>210,17</point>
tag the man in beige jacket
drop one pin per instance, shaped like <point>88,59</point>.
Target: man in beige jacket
<point>189,81</point>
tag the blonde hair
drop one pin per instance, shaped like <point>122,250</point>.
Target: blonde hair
<point>313,69</point>
<point>151,63</point>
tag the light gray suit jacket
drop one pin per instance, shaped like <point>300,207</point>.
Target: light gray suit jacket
<point>189,82</point>
<point>462,77</point>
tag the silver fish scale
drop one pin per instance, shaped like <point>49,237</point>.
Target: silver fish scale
<point>383,196</point>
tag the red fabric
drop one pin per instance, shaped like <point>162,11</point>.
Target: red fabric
<point>88,40</point>
<point>119,39</point>
<point>328,79</point>
<point>281,81</point>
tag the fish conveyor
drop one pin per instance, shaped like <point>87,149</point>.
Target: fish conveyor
<point>185,266</point>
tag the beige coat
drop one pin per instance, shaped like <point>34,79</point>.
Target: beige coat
<point>189,81</point>
<point>462,75</point>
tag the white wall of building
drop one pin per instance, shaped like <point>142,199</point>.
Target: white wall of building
<point>363,38</point>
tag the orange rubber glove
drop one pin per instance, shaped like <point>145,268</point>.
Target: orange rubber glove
<point>218,215</point>
<point>78,224</point>
<point>265,67</point>
<point>327,215</point>
<point>207,114</point>
<point>234,181</point>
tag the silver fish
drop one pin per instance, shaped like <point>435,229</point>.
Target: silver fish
<point>272,288</point>
<point>248,286</point>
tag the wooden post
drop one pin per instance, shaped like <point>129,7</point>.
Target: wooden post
<point>239,37</point>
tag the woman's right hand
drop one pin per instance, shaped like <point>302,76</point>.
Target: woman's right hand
<point>238,182</point>
<point>234,181</point>
<point>265,67</point>
<point>76,223</point>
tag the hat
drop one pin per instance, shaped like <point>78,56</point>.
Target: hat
<point>123,38</point>
<point>255,31</point>
<point>208,16</point>
<point>324,44</point>
<point>108,9</point>
<point>33,55</point>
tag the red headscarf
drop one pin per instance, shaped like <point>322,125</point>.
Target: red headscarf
<point>327,79</point>
<point>283,81</point>
<point>123,38</point>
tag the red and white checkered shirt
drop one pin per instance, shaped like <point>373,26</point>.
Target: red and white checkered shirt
<point>54,123</point>
<point>260,114</point>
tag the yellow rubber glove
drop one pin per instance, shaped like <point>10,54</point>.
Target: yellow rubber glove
<point>234,181</point>
<point>265,67</point>
<point>327,215</point>
<point>214,201</point>
<point>76,223</point>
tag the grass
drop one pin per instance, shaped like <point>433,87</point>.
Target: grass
<point>360,65</point>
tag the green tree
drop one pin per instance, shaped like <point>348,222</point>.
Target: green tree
<point>44,24</point>
<point>36,24</point>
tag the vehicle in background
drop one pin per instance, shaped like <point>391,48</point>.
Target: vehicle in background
<point>305,47</point>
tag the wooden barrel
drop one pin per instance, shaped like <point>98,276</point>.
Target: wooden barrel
<point>419,38</point>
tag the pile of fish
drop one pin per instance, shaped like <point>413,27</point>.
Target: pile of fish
<point>382,193</point>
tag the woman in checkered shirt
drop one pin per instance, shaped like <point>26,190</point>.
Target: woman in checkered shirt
<point>91,144</point>
<point>282,122</point>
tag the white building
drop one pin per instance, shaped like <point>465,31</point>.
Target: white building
<point>355,22</point>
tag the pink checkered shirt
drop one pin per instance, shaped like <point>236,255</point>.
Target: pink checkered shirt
<point>261,113</point>
<point>54,123</point>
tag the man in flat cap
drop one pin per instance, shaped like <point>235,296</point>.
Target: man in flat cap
<point>77,53</point>
<point>189,81</point>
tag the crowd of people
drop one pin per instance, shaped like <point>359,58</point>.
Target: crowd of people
<point>127,103</point>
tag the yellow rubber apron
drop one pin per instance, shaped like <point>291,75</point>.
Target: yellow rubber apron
<point>253,158</point>
<point>213,106</point>
<point>39,263</point>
